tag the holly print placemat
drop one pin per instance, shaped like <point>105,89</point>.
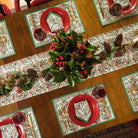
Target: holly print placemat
<point>130,83</point>
<point>39,63</point>
<point>6,46</point>
<point>30,125</point>
<point>33,21</point>
<point>61,108</point>
<point>105,17</point>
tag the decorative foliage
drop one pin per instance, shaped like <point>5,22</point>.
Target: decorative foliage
<point>21,80</point>
<point>71,58</point>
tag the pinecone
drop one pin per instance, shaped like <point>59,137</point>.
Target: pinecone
<point>103,55</point>
<point>107,47</point>
<point>20,82</point>
<point>75,55</point>
<point>48,77</point>
<point>119,53</point>
<point>119,40</point>
<point>32,73</point>
<point>135,45</point>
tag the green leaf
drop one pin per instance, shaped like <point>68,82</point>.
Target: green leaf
<point>6,92</point>
<point>29,85</point>
<point>115,48</point>
<point>1,91</point>
<point>54,54</point>
<point>91,47</point>
<point>53,72</point>
<point>71,63</point>
<point>110,56</point>
<point>74,37</point>
<point>59,77</point>
<point>79,80</point>
<point>77,72</point>
<point>45,71</point>
<point>71,81</point>
<point>96,61</point>
<point>77,63</point>
<point>8,87</point>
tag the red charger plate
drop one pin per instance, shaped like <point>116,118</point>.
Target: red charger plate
<point>61,12</point>
<point>94,107</point>
<point>128,8</point>
<point>20,128</point>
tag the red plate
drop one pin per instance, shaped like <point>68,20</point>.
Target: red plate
<point>93,106</point>
<point>127,9</point>
<point>61,12</point>
<point>20,128</point>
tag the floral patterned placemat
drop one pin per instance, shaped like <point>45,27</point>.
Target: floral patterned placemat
<point>39,63</point>
<point>6,46</point>
<point>130,83</point>
<point>67,126</point>
<point>33,21</point>
<point>29,132</point>
<point>105,17</point>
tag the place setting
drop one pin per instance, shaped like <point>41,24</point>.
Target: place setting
<point>20,124</point>
<point>83,109</point>
<point>6,45</point>
<point>110,11</point>
<point>44,24</point>
<point>130,84</point>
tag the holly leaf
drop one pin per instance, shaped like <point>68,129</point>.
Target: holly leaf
<point>71,63</point>
<point>79,80</point>
<point>53,72</point>
<point>54,54</point>
<point>71,81</point>
<point>74,37</point>
<point>59,77</point>
<point>91,47</point>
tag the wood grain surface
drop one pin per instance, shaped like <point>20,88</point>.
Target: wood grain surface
<point>42,104</point>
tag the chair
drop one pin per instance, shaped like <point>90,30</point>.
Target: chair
<point>4,10</point>
<point>29,3</point>
<point>134,124</point>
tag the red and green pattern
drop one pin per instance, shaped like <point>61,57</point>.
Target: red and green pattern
<point>6,45</point>
<point>67,126</point>
<point>130,83</point>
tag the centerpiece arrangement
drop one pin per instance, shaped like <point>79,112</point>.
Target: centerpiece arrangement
<point>71,58</point>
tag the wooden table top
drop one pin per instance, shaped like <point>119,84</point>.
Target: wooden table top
<point>42,104</point>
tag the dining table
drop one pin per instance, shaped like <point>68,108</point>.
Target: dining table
<point>42,104</point>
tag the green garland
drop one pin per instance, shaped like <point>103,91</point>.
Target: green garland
<point>72,59</point>
<point>21,80</point>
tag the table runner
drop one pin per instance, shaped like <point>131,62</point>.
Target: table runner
<point>105,17</point>
<point>130,84</point>
<point>28,131</point>
<point>33,21</point>
<point>6,46</point>
<point>106,111</point>
<point>39,62</point>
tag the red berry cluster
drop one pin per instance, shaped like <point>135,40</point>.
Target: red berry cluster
<point>60,61</point>
<point>53,46</point>
<point>82,48</point>
<point>84,72</point>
